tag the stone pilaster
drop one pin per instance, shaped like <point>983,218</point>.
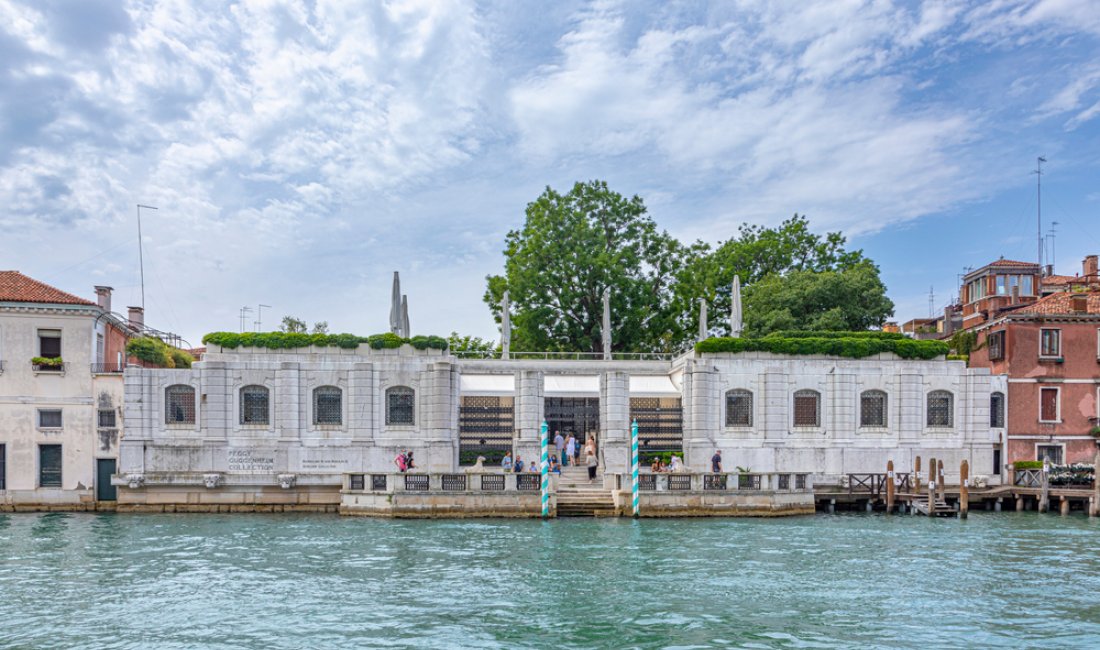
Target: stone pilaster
<point>361,392</point>
<point>703,417</point>
<point>614,406</point>
<point>776,417</point>
<point>529,404</point>
<point>910,407</point>
<point>843,418</point>
<point>288,405</point>
<point>216,410</point>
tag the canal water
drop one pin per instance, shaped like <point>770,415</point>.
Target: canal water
<point>286,581</point>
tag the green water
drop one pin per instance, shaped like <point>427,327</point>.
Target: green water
<point>271,581</point>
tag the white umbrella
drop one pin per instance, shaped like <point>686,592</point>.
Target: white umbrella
<point>735,308</point>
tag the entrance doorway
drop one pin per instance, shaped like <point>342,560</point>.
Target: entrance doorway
<point>577,415</point>
<point>104,470</point>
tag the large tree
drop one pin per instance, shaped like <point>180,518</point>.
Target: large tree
<point>573,246</point>
<point>850,299</point>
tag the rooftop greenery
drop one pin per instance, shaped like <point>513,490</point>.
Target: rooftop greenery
<point>853,345</point>
<point>153,350</point>
<point>293,340</point>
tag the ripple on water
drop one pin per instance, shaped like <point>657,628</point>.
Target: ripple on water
<point>256,581</point>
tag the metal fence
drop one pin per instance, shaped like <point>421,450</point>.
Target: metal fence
<point>454,482</point>
<point>492,482</point>
<point>416,482</point>
<point>528,482</point>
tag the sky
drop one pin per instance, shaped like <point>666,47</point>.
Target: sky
<point>299,153</point>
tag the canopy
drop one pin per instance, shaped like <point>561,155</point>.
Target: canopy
<point>487,384</point>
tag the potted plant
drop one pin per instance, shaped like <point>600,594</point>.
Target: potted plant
<point>47,363</point>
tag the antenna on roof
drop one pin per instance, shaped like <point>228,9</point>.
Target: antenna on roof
<point>1051,234</point>
<point>1039,206</point>
<point>931,303</point>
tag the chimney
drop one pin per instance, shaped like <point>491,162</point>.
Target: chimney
<point>137,318</point>
<point>1015,295</point>
<point>1089,268</point>
<point>103,297</point>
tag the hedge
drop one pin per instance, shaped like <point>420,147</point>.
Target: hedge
<point>153,350</point>
<point>293,340</point>
<point>800,334</point>
<point>1028,464</point>
<point>854,347</point>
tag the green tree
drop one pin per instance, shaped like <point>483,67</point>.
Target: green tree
<point>570,248</point>
<point>320,327</point>
<point>757,252</point>
<point>293,325</point>
<point>850,299</point>
<point>458,343</point>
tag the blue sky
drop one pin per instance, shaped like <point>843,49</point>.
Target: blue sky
<point>299,153</point>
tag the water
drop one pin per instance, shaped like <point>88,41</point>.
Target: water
<point>285,581</point>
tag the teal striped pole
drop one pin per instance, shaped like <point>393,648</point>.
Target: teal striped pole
<point>545,473</point>
<point>634,464</point>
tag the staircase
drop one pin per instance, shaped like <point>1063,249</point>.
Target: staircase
<point>579,498</point>
<point>939,509</point>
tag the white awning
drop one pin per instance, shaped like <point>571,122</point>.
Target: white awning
<point>487,384</point>
<point>571,385</point>
<point>653,386</point>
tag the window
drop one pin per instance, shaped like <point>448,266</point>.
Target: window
<point>739,408</point>
<point>49,466</point>
<point>1025,286</point>
<point>1048,405</point>
<point>49,418</point>
<point>940,409</point>
<point>49,343</point>
<point>997,410</point>
<point>99,349</point>
<point>3,466</point>
<point>1098,344</point>
<point>1053,453</point>
<point>807,408</point>
<point>872,409</point>
<point>179,404</point>
<point>1001,290</point>
<point>254,405</point>
<point>996,343</point>
<point>997,461</point>
<point>328,405</point>
<point>107,418</point>
<point>400,404</point>
<point>1050,343</point>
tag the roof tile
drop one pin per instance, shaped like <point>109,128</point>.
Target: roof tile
<point>16,287</point>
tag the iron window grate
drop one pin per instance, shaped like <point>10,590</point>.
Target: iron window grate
<point>179,404</point>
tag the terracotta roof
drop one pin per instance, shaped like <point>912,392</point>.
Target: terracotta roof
<point>1062,279</point>
<point>1011,263</point>
<point>1061,303</point>
<point>16,287</point>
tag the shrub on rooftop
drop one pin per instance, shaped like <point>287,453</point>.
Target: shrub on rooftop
<point>834,344</point>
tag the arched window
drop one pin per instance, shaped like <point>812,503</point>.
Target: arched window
<point>328,404</point>
<point>872,409</point>
<point>941,409</point>
<point>997,410</point>
<point>739,408</point>
<point>400,405</point>
<point>179,404</point>
<point>255,404</point>
<point>807,408</point>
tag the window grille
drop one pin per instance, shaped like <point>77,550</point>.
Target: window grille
<point>997,410</point>
<point>378,482</point>
<point>748,481</point>
<point>872,409</point>
<point>800,481</point>
<point>485,428</point>
<point>49,466</point>
<point>254,405</point>
<point>714,481</point>
<point>179,404</point>
<point>660,426</point>
<point>454,482</point>
<point>49,418</point>
<point>492,481</point>
<point>807,408</point>
<point>1052,453</point>
<point>328,405</point>
<point>784,482</point>
<point>647,482</point>
<point>416,482</point>
<point>739,408</point>
<point>679,482</point>
<point>940,409</point>
<point>528,482</point>
<point>358,482</point>
<point>107,418</point>
<point>400,405</point>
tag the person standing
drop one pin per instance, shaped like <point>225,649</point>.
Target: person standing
<point>590,460</point>
<point>716,462</point>
<point>559,444</point>
<point>506,464</point>
<point>571,450</point>
<point>401,461</point>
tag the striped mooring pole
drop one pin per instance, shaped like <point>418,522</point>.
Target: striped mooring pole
<point>545,473</point>
<point>634,465</point>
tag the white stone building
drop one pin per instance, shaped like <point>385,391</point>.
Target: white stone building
<point>250,428</point>
<point>60,422</point>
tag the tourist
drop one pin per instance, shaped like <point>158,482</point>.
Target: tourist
<point>716,462</point>
<point>663,467</point>
<point>517,466</point>
<point>676,465</point>
<point>506,464</point>
<point>533,467</point>
<point>401,461</point>
<point>559,443</point>
<point>555,467</point>
<point>571,450</point>
<point>409,464</point>
<point>656,466</point>
<point>590,460</point>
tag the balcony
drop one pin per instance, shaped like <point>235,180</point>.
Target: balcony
<point>48,366</point>
<point>108,368</point>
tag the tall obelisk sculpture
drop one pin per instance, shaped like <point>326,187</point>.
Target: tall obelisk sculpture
<point>395,306</point>
<point>505,327</point>
<point>405,329</point>
<point>735,308</point>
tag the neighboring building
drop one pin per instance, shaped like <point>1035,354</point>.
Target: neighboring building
<point>258,427</point>
<point>1050,352</point>
<point>923,328</point>
<point>60,422</point>
<point>995,287</point>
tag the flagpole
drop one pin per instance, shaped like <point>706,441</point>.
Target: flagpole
<point>634,464</point>
<point>545,469</point>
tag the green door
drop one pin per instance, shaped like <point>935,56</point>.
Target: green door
<point>104,469</point>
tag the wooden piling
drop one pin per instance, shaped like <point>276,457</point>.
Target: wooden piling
<point>942,484</point>
<point>964,490</point>
<point>1044,494</point>
<point>889,486</point>
<point>1094,502</point>
<point>1063,507</point>
<point>1020,503</point>
<point>916,475</point>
